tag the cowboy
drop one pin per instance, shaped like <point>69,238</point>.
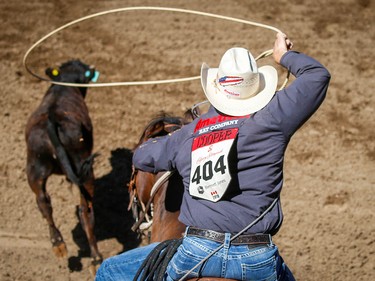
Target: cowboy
<point>231,162</point>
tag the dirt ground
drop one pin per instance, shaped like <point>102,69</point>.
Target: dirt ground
<point>328,196</point>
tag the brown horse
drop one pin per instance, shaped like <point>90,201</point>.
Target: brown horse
<point>59,140</point>
<point>166,201</point>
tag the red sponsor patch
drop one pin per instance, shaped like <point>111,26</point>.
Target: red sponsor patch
<point>214,137</point>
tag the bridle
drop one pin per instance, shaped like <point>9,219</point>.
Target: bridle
<point>143,218</point>
<point>137,206</point>
<point>142,213</point>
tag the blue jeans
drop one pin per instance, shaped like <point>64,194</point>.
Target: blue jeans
<point>124,266</point>
<point>237,262</point>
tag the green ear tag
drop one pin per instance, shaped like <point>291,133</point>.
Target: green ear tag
<point>96,76</point>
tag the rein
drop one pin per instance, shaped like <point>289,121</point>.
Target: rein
<point>155,188</point>
<point>134,202</point>
<point>155,265</point>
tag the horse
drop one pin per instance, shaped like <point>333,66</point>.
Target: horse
<point>59,140</point>
<point>166,201</point>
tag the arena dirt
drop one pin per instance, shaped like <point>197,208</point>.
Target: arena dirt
<point>328,196</point>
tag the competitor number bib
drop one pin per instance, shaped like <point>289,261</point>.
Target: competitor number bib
<point>210,177</point>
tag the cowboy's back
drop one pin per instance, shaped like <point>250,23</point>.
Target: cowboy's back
<point>257,160</point>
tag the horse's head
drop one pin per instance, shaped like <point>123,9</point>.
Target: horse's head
<point>160,125</point>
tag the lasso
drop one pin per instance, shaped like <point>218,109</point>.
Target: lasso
<point>133,83</point>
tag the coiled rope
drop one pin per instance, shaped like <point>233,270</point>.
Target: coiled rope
<point>134,83</point>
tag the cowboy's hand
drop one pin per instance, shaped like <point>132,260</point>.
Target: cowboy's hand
<point>281,46</point>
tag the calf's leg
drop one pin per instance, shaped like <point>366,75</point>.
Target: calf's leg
<point>38,186</point>
<point>87,219</point>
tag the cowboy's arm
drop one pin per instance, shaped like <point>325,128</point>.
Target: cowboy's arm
<point>294,105</point>
<point>155,155</point>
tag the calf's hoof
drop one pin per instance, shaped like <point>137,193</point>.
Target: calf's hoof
<point>59,249</point>
<point>95,264</point>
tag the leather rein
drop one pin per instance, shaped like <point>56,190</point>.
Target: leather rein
<point>142,216</point>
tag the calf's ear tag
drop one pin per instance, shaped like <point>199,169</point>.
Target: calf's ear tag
<point>87,73</point>
<point>95,77</point>
<point>55,72</point>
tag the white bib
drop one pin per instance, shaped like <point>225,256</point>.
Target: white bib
<point>210,177</point>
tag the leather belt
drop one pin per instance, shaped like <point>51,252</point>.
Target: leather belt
<point>244,239</point>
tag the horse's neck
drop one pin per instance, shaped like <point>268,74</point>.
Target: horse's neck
<point>145,182</point>
<point>165,222</point>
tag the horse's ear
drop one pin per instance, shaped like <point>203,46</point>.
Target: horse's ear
<point>52,73</point>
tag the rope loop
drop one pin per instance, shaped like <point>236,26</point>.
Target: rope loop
<point>135,83</point>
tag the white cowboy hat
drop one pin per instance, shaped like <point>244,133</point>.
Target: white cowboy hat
<point>238,87</point>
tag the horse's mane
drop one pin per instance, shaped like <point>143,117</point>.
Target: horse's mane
<point>160,125</point>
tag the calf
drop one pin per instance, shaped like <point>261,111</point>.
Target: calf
<point>59,138</point>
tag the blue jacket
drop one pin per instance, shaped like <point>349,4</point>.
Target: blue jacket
<point>256,158</point>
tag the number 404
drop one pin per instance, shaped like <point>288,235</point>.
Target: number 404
<point>207,170</point>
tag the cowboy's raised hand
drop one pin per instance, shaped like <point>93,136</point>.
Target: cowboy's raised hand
<point>281,46</point>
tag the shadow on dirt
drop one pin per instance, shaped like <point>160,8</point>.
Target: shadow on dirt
<point>112,219</point>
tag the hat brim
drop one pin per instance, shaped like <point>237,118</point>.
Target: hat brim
<point>239,107</point>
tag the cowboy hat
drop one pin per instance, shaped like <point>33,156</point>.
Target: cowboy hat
<point>238,87</point>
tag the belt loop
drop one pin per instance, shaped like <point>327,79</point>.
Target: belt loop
<point>227,240</point>
<point>271,242</point>
<point>186,231</point>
